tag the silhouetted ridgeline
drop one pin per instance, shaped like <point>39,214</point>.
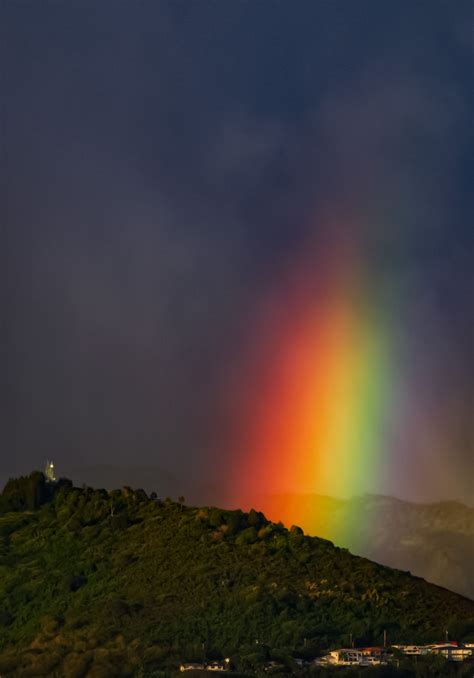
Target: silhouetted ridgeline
<point>117,583</point>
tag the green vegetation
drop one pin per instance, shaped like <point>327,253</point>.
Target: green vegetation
<point>433,541</point>
<point>114,583</point>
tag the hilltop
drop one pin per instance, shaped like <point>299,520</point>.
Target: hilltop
<point>115,583</point>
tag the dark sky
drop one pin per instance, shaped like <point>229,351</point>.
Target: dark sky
<point>162,163</point>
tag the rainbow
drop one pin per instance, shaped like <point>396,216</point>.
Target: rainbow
<point>318,388</point>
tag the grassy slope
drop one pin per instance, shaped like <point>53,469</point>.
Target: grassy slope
<point>153,582</point>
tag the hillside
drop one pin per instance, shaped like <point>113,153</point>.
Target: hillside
<point>115,583</point>
<point>433,541</point>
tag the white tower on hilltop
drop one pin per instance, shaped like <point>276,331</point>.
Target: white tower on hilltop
<point>49,472</point>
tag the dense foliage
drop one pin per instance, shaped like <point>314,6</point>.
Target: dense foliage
<point>433,541</point>
<point>115,583</point>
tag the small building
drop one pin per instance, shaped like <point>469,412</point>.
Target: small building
<point>218,665</point>
<point>375,656</point>
<point>346,657</point>
<point>413,650</point>
<point>192,666</point>
<point>371,651</point>
<point>452,652</point>
<point>49,472</point>
<point>360,656</point>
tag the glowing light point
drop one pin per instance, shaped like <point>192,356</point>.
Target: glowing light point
<point>49,472</point>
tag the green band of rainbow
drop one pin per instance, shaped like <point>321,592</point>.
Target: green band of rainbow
<point>319,388</point>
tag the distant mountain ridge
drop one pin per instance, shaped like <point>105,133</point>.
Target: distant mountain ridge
<point>433,541</point>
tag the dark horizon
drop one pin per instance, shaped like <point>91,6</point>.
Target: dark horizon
<point>171,485</point>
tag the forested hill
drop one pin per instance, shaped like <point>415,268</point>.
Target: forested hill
<point>120,583</point>
<point>433,541</point>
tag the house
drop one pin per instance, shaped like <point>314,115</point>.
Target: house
<point>360,656</point>
<point>192,666</point>
<point>374,656</point>
<point>373,660</point>
<point>452,652</point>
<point>218,665</point>
<point>370,651</point>
<point>412,650</point>
<point>345,657</point>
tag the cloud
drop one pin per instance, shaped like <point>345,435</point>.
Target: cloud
<point>165,166</point>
